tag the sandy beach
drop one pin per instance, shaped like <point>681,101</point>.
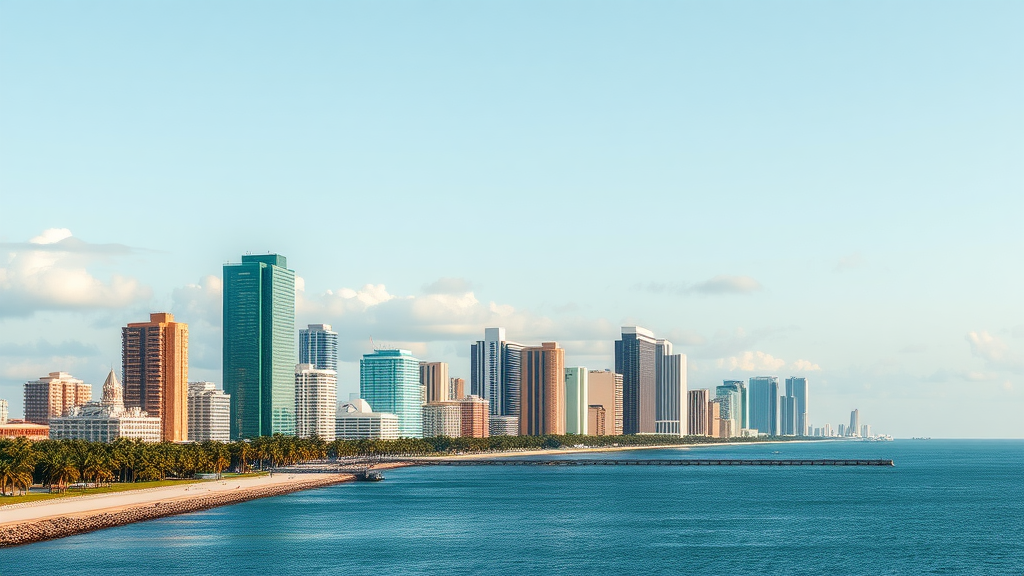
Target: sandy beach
<point>37,521</point>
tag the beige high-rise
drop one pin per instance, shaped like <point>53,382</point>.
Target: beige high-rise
<point>605,389</point>
<point>154,357</point>
<point>456,388</point>
<point>434,376</point>
<point>51,396</point>
<point>542,392</point>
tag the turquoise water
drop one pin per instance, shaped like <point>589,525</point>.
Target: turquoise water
<point>947,507</point>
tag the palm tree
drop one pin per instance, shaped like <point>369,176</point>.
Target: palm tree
<point>58,470</point>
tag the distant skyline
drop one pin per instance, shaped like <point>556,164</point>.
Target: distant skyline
<point>830,191</point>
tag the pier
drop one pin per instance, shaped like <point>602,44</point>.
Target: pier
<point>654,462</point>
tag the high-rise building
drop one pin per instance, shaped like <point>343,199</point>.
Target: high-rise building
<point>714,417</point>
<point>456,388</point>
<point>316,402</point>
<point>865,430</point>
<point>742,412</point>
<point>442,419</point>
<point>763,404</point>
<point>434,377</point>
<point>671,402</point>
<point>3,412</point>
<point>475,417</point>
<point>259,345</point>
<point>107,420</point>
<point>543,390</point>
<point>697,412</point>
<point>842,430</point>
<point>390,381</point>
<point>154,365</point>
<point>53,395</point>
<point>597,420</point>
<point>605,390</point>
<point>787,415</point>
<point>635,359</point>
<point>854,428</point>
<point>797,388</point>
<point>576,406</point>
<point>209,413</point>
<point>318,345</point>
<point>357,421</point>
<point>730,405</point>
<point>496,372</point>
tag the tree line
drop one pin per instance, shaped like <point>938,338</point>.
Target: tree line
<point>57,464</point>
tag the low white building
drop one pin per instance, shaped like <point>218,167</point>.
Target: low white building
<point>442,419</point>
<point>355,420</point>
<point>107,420</point>
<point>209,413</point>
<point>316,402</point>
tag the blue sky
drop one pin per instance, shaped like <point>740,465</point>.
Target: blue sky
<point>826,189</point>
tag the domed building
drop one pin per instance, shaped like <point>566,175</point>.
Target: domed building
<point>106,420</point>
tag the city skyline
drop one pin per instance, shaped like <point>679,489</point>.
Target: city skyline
<point>805,202</point>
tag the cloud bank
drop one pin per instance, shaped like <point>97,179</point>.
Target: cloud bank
<point>50,272</point>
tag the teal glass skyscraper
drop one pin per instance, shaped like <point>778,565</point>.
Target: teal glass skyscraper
<point>259,345</point>
<point>389,381</point>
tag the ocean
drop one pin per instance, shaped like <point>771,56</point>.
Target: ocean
<point>947,507</point>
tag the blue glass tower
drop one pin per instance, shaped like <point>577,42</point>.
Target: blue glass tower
<point>259,345</point>
<point>318,345</point>
<point>764,404</point>
<point>389,380</point>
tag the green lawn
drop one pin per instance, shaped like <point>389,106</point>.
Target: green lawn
<point>116,487</point>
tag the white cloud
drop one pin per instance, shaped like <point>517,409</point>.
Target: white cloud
<point>444,314</point>
<point>804,366</point>
<point>757,361</point>
<point>995,352</point>
<point>50,272</point>
<point>752,362</point>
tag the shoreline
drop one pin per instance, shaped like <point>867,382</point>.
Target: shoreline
<point>115,512</point>
<point>19,533</point>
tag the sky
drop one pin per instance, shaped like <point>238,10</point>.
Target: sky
<point>824,189</point>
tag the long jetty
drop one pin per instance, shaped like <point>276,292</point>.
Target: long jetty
<point>653,462</point>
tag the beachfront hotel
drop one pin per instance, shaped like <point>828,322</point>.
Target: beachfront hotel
<point>356,420</point>
<point>209,413</point>
<point>604,390</point>
<point>259,354</point>
<point>389,380</point>
<point>442,419</point>
<point>154,362</point>
<point>53,395</point>
<point>107,420</point>
<point>316,402</point>
<point>543,389</point>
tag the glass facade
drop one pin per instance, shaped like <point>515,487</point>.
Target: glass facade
<point>764,404</point>
<point>635,359</point>
<point>389,381</point>
<point>259,351</point>
<point>318,345</point>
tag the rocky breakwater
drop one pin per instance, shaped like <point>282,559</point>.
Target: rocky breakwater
<point>61,526</point>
